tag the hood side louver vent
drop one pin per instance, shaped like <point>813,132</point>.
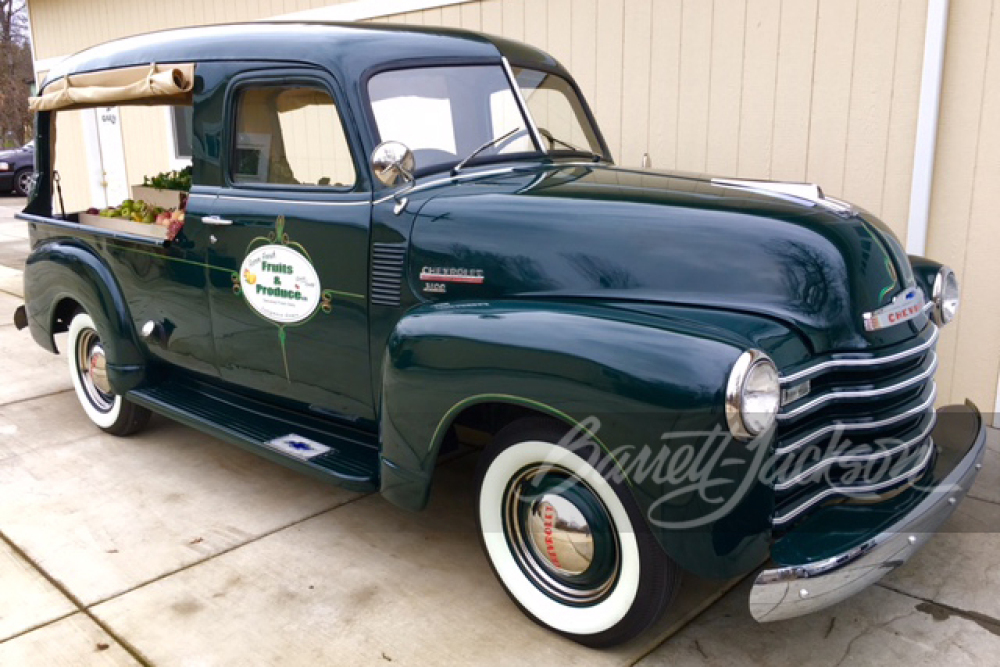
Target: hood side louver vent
<point>388,262</point>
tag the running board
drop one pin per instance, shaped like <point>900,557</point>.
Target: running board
<point>319,447</point>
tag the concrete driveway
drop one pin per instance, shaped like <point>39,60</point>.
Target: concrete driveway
<point>172,548</point>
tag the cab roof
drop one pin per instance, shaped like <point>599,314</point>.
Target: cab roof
<point>347,48</point>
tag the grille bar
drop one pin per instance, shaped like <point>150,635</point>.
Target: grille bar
<point>860,426</point>
<point>843,395</point>
<point>834,490</point>
<point>870,362</point>
<point>858,458</point>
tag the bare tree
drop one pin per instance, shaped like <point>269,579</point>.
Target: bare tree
<point>16,73</point>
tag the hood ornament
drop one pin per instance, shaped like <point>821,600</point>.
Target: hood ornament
<point>807,192</point>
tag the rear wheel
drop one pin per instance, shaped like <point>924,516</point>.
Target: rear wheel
<point>88,370</point>
<point>569,545</point>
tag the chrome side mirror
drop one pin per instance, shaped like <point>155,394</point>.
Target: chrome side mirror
<point>393,163</point>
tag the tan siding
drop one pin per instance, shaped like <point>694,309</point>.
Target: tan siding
<point>471,16</point>
<point>535,23</point>
<point>148,127</point>
<point>608,81</point>
<point>635,86</point>
<point>760,64</point>
<point>583,60</point>
<point>965,200</point>
<point>871,99</point>
<point>492,16</point>
<point>726,86</point>
<point>831,93</point>
<point>793,85</point>
<point>67,26</point>
<point>513,18</point>
<point>71,162</point>
<point>664,89</point>
<point>903,115</point>
<point>695,76</point>
<point>452,16</point>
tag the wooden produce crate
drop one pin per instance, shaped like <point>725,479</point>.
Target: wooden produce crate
<point>162,198</point>
<point>153,231</point>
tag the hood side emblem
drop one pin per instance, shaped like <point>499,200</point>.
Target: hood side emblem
<point>904,307</point>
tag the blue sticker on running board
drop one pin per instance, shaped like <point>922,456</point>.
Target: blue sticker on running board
<point>298,446</point>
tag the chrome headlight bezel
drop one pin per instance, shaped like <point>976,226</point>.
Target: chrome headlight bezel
<point>946,296</point>
<point>749,363</point>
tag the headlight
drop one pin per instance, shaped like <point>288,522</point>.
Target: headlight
<point>4,166</point>
<point>945,296</point>
<point>753,395</point>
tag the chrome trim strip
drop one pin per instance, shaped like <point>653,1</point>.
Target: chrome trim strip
<point>310,202</point>
<point>463,176</point>
<point>839,395</point>
<point>793,590</point>
<point>860,426</point>
<point>851,458</point>
<point>862,363</point>
<point>521,102</point>
<point>849,490</point>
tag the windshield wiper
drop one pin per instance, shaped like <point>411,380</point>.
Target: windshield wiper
<point>489,144</point>
<point>552,139</point>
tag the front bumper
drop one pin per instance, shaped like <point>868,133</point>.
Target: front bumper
<point>845,548</point>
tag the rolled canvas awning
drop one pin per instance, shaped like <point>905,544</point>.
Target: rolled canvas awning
<point>145,84</point>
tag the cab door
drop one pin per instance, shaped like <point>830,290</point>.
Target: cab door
<point>290,226</point>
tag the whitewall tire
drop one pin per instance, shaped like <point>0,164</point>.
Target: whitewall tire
<point>569,545</point>
<point>88,371</point>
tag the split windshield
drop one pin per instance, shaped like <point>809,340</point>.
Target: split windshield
<point>445,114</point>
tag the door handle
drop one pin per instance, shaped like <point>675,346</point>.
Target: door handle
<point>216,220</point>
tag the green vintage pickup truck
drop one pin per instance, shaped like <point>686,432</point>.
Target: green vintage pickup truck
<point>397,236</point>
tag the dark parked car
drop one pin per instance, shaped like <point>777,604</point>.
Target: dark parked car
<point>17,168</point>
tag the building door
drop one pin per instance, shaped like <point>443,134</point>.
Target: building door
<point>102,131</point>
<point>289,309</point>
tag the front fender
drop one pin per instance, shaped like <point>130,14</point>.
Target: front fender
<point>69,269</point>
<point>641,377</point>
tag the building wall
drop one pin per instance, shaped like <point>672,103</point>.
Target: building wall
<point>824,91</point>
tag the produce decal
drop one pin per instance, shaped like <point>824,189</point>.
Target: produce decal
<point>280,284</point>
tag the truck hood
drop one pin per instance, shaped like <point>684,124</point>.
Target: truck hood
<point>571,231</point>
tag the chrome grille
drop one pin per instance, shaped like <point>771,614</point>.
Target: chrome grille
<point>862,430</point>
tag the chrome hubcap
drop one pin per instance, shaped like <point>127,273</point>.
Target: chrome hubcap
<point>561,535</point>
<point>92,366</point>
<point>25,182</point>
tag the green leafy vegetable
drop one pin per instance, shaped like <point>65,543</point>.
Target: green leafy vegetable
<point>170,180</point>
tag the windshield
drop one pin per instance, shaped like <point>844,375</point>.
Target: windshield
<point>558,112</point>
<point>445,114</point>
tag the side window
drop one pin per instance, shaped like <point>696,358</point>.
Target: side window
<point>290,135</point>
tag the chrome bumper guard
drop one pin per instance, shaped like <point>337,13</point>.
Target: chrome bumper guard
<point>796,590</point>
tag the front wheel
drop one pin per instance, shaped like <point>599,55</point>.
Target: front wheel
<point>88,370</point>
<point>568,543</point>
